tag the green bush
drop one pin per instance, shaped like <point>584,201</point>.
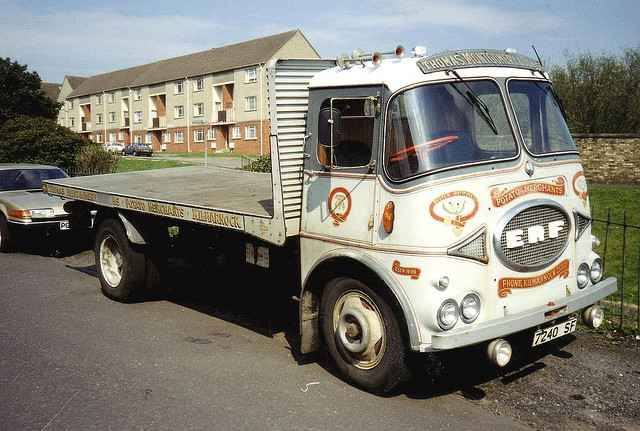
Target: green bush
<point>39,140</point>
<point>261,164</point>
<point>93,160</point>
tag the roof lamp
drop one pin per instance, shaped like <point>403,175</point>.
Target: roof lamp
<point>419,50</point>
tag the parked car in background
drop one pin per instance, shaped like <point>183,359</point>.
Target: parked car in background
<point>24,208</point>
<point>137,150</point>
<point>113,147</point>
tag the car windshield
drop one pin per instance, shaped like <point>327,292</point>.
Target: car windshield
<point>26,179</point>
<point>446,125</point>
<point>540,117</point>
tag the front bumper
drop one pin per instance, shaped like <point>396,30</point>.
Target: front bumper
<point>526,320</point>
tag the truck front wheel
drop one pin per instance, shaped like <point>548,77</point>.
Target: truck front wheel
<point>362,335</point>
<point>120,268</point>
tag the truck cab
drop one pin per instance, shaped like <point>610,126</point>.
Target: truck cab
<point>444,205</point>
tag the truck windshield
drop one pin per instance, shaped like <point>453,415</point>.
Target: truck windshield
<point>540,117</point>
<point>446,125</point>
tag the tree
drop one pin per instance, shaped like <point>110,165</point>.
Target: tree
<point>39,140</point>
<point>601,93</point>
<point>21,95</point>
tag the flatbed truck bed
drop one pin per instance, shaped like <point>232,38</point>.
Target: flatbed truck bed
<point>214,196</point>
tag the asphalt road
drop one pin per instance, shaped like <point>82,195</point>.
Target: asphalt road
<point>70,359</point>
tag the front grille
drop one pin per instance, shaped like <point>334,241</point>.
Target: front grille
<point>532,236</point>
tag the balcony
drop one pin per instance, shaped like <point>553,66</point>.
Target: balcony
<point>158,123</point>
<point>125,122</point>
<point>86,126</point>
<point>224,116</point>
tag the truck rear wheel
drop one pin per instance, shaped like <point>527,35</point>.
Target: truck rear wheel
<point>120,268</point>
<point>362,335</point>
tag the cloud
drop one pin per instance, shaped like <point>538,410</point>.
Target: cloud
<point>425,15</point>
<point>103,41</point>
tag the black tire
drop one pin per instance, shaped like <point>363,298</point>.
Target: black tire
<point>362,335</point>
<point>6,239</point>
<point>121,269</point>
<point>123,153</point>
<point>135,153</point>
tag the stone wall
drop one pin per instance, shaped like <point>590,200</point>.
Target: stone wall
<point>610,159</point>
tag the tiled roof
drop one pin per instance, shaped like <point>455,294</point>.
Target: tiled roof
<point>75,81</point>
<point>228,57</point>
<point>50,89</point>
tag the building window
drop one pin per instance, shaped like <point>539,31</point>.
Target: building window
<point>70,104</point>
<point>137,117</point>
<point>178,87</point>
<point>98,118</point>
<point>137,94</point>
<point>112,117</point>
<point>211,134</point>
<point>72,122</point>
<point>112,97</point>
<point>250,103</point>
<point>235,133</point>
<point>167,136</point>
<point>251,75</point>
<point>112,136</point>
<point>121,136</point>
<point>179,137</point>
<point>198,135</point>
<point>147,138</point>
<point>251,132</point>
<point>198,110</point>
<point>138,138</point>
<point>99,99</point>
<point>99,138</point>
<point>179,111</point>
<point>198,84</point>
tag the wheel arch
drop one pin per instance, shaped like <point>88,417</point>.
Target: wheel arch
<point>360,266</point>
<point>135,233</point>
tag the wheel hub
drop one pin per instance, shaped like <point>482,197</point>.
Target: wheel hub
<point>359,329</point>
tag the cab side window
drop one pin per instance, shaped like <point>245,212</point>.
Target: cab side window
<point>353,137</point>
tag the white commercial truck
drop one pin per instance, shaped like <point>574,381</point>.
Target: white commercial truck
<point>415,204</point>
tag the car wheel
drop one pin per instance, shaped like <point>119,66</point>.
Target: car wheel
<point>123,153</point>
<point>362,335</point>
<point>135,153</point>
<point>121,269</point>
<point>6,239</point>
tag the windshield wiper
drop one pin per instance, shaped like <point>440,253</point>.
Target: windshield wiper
<point>478,104</point>
<point>554,97</point>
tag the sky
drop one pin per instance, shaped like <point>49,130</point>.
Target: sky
<point>90,37</point>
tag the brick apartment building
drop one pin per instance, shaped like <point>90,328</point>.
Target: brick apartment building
<point>216,98</point>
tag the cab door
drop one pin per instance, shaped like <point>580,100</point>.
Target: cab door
<point>340,174</point>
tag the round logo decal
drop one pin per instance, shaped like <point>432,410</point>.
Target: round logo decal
<point>454,209</point>
<point>339,205</point>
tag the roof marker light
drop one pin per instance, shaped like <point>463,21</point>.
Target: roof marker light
<point>510,51</point>
<point>419,50</point>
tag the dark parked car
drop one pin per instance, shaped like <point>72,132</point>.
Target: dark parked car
<point>24,207</point>
<point>137,150</point>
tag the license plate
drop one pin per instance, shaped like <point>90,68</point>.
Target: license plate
<point>547,334</point>
<point>64,225</point>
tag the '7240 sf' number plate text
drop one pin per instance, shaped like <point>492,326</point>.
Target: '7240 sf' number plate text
<point>551,333</point>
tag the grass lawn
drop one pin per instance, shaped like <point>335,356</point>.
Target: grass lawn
<point>620,200</point>
<point>128,164</point>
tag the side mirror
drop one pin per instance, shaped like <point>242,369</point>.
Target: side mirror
<point>326,126</point>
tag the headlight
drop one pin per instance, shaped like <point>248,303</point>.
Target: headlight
<point>470,308</point>
<point>583,275</point>
<point>596,270</point>
<point>41,213</point>
<point>448,314</point>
